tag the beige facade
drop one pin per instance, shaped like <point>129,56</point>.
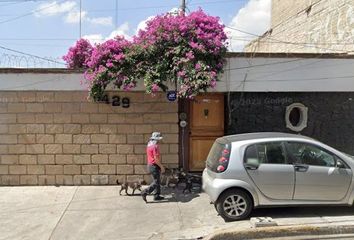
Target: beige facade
<point>308,26</point>
<point>58,137</point>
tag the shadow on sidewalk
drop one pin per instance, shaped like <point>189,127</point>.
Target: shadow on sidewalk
<point>175,195</point>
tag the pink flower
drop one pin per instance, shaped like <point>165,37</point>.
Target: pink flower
<point>213,83</point>
<point>181,73</point>
<point>119,56</point>
<point>154,87</point>
<point>190,55</point>
<point>194,45</point>
<point>78,55</point>
<point>197,67</point>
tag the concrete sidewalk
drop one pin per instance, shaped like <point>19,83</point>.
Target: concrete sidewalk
<point>98,212</point>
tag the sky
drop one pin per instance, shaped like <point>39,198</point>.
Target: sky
<point>46,28</point>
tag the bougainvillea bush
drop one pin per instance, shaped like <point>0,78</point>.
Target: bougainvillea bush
<point>187,51</point>
<point>110,63</point>
<point>79,54</point>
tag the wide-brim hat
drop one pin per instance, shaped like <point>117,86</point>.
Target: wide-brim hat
<point>156,136</point>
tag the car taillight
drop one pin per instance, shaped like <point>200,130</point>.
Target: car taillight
<point>224,158</point>
<point>220,168</point>
<point>225,151</point>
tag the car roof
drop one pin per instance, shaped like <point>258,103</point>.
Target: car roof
<point>262,135</point>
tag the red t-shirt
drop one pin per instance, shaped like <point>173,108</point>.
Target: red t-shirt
<point>152,151</point>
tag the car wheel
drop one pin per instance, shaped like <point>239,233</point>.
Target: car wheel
<point>234,205</point>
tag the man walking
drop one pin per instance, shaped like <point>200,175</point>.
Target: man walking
<point>155,166</point>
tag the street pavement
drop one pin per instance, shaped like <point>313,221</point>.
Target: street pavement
<point>99,212</point>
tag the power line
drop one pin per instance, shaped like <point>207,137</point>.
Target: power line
<point>36,45</point>
<point>18,1</point>
<point>297,13</point>
<point>38,39</point>
<point>165,6</point>
<point>305,66</point>
<point>231,38</point>
<point>313,45</point>
<point>250,80</point>
<point>280,41</point>
<point>296,23</point>
<point>268,64</point>
<point>298,79</point>
<point>31,55</point>
<point>248,39</point>
<point>31,13</point>
<point>10,4</point>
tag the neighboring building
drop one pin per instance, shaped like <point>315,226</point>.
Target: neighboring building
<point>308,26</point>
<point>50,134</point>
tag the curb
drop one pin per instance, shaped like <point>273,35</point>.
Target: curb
<point>282,231</point>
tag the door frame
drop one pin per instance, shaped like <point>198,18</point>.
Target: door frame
<point>183,135</point>
<point>184,106</point>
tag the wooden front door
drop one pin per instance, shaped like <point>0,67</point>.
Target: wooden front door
<point>206,124</point>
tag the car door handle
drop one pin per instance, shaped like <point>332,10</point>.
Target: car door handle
<point>251,167</point>
<point>301,168</point>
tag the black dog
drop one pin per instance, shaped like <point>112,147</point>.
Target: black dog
<point>189,180</point>
<point>133,185</point>
<point>176,176</point>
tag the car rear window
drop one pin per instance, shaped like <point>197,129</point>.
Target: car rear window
<point>218,158</point>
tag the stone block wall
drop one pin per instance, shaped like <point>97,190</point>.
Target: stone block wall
<point>326,27</point>
<point>58,137</point>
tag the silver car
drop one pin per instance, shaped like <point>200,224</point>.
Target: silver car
<point>253,170</point>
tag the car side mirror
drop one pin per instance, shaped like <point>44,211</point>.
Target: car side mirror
<point>340,164</point>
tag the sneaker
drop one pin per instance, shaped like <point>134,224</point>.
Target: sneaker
<point>143,195</point>
<point>158,198</point>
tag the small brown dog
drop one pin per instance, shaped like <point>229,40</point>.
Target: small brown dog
<point>133,185</point>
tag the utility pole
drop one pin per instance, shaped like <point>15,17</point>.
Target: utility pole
<point>116,20</point>
<point>80,16</point>
<point>183,11</point>
<point>183,6</point>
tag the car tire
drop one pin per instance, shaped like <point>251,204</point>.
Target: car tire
<point>234,204</point>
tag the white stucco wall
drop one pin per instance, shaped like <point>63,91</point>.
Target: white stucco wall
<point>288,75</point>
<point>41,81</point>
<point>261,74</point>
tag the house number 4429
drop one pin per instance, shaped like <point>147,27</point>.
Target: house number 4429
<point>117,101</point>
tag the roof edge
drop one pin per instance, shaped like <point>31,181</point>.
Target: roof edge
<point>289,55</point>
